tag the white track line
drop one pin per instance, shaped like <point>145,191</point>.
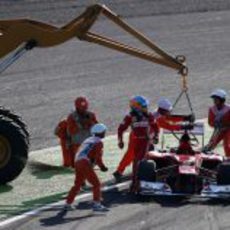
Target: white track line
<point>80,197</point>
<point>58,204</point>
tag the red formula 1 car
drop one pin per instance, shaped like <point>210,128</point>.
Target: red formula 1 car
<point>182,171</point>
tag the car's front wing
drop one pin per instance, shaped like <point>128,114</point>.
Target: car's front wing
<point>163,189</point>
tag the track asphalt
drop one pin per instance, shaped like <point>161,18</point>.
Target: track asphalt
<point>42,86</point>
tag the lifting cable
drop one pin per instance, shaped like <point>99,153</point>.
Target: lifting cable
<point>184,85</point>
<point>16,55</point>
<point>184,90</point>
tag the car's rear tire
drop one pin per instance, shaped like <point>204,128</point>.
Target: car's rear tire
<point>210,164</point>
<point>14,146</point>
<point>146,171</point>
<point>223,174</point>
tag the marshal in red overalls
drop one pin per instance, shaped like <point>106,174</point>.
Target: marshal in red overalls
<point>219,119</point>
<point>74,130</point>
<point>88,155</point>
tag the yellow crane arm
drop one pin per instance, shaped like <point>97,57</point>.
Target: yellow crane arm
<point>13,33</point>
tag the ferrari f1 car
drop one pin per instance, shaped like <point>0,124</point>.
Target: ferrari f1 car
<point>183,171</point>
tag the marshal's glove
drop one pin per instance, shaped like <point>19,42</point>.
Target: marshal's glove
<point>207,150</point>
<point>121,144</point>
<point>187,127</point>
<point>104,169</point>
<point>155,140</point>
<point>191,118</point>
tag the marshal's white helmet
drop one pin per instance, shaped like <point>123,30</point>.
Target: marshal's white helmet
<point>219,93</point>
<point>98,129</point>
<point>165,104</point>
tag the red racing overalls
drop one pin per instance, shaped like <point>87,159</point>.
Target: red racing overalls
<point>78,129</point>
<point>220,121</point>
<point>169,122</point>
<point>61,132</point>
<point>142,131</point>
<point>89,154</point>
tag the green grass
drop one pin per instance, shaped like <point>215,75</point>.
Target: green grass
<point>44,180</point>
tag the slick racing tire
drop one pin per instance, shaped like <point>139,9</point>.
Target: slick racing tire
<point>146,171</point>
<point>14,146</point>
<point>223,174</point>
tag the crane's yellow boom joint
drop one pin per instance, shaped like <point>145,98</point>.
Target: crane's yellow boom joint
<point>14,33</point>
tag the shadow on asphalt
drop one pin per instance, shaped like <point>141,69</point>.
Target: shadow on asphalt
<point>12,210</point>
<point>111,199</point>
<point>216,202</point>
<point>46,171</point>
<point>63,216</point>
<point>183,201</point>
<point>84,209</point>
<point>115,198</point>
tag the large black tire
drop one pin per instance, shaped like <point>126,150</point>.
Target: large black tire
<point>14,146</point>
<point>223,174</point>
<point>15,119</point>
<point>146,171</point>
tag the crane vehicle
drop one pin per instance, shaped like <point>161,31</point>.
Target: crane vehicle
<point>17,36</point>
